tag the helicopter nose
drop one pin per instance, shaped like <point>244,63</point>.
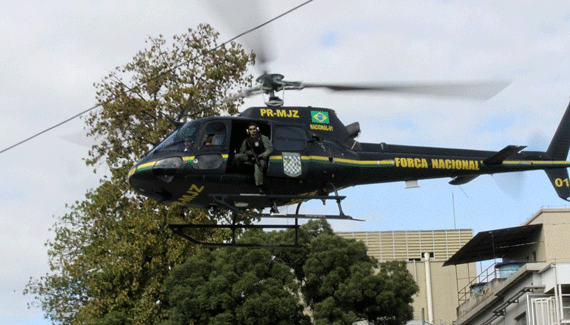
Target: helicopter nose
<point>142,180</point>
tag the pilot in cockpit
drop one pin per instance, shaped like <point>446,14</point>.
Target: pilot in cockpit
<point>213,139</point>
<point>208,139</point>
<point>188,145</point>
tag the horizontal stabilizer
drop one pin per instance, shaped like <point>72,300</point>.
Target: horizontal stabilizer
<point>505,153</point>
<point>559,179</point>
<point>460,180</point>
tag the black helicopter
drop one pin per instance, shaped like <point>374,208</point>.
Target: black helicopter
<point>315,155</point>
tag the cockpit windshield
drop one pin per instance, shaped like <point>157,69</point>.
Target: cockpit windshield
<point>181,139</point>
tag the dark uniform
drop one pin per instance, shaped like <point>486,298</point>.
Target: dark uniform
<point>262,147</point>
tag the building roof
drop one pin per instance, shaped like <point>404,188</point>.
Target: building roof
<point>496,243</point>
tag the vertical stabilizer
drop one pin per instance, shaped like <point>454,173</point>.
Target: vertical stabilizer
<point>559,179</point>
<point>558,148</point>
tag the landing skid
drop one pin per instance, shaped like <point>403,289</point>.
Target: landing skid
<point>224,201</point>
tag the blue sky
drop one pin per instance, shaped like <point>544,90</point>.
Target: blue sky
<point>52,53</point>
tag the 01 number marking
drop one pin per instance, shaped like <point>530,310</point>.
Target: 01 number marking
<point>560,182</point>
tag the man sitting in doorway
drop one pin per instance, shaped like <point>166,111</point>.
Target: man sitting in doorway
<point>256,148</point>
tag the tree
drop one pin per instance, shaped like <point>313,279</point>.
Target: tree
<point>113,250</point>
<point>234,286</point>
<point>346,289</point>
<point>333,277</point>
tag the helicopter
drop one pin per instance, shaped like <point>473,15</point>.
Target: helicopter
<point>315,155</point>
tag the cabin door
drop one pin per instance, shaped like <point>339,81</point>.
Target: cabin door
<point>289,157</point>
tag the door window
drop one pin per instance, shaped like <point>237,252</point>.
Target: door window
<point>289,138</point>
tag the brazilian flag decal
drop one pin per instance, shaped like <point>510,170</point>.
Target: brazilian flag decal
<point>320,117</point>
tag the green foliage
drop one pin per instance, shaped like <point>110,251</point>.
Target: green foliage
<point>113,318</point>
<point>331,277</point>
<point>185,81</point>
<point>233,286</point>
<point>341,285</point>
<point>113,250</point>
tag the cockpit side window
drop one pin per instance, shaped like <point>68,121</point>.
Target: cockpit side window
<point>214,135</point>
<point>181,139</point>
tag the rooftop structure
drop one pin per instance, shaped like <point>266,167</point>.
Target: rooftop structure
<point>531,283</point>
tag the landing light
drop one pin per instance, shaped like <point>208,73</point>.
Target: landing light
<point>169,163</point>
<point>165,169</point>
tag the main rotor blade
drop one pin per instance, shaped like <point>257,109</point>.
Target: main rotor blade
<point>241,16</point>
<point>466,90</point>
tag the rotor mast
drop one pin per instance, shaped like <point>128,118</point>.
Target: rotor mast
<point>272,83</point>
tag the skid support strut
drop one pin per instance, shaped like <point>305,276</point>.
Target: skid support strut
<point>181,229</point>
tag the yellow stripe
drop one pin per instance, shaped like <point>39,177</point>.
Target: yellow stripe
<point>383,163</point>
<point>146,165</point>
<point>321,158</point>
<point>537,162</point>
<point>372,163</point>
<point>389,162</point>
<point>190,158</point>
<point>185,159</point>
<point>365,162</point>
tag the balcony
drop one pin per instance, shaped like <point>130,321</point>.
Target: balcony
<point>484,284</point>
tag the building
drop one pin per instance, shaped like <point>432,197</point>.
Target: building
<point>425,253</point>
<point>530,283</point>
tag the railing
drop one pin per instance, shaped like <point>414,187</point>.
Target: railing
<point>482,279</point>
<point>500,270</point>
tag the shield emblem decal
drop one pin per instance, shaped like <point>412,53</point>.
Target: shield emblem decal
<point>292,164</point>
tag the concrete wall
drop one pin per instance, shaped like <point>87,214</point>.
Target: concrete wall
<point>445,285</point>
<point>553,243</point>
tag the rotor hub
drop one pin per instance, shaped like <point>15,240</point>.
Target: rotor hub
<point>271,82</point>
